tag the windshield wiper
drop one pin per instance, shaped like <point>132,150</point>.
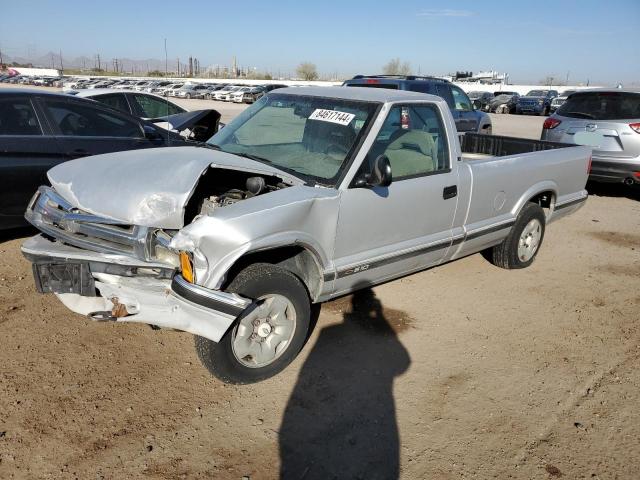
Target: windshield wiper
<point>212,146</point>
<point>251,157</point>
<point>582,115</point>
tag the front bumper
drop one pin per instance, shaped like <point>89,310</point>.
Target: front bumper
<point>529,108</point>
<point>128,290</point>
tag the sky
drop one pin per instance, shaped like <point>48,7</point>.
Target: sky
<point>588,40</point>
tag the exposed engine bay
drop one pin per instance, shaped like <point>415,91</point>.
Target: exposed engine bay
<point>221,187</point>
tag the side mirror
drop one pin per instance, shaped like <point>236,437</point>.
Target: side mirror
<point>151,133</point>
<point>477,105</point>
<point>380,175</point>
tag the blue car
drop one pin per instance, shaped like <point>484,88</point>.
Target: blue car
<point>537,102</point>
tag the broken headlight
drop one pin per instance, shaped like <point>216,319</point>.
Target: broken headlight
<point>160,250</point>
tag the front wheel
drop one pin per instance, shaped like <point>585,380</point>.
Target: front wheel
<point>268,335</point>
<point>521,246</point>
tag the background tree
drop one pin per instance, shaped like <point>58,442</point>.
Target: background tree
<point>396,67</point>
<point>307,71</point>
<point>550,80</point>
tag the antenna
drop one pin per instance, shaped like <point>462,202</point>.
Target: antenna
<point>166,96</point>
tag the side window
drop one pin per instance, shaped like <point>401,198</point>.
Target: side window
<point>460,99</point>
<point>422,87</point>
<point>75,119</point>
<point>414,140</point>
<point>444,91</point>
<point>151,107</point>
<point>17,117</point>
<point>114,100</point>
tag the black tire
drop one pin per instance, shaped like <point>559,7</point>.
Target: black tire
<point>253,282</point>
<point>505,255</point>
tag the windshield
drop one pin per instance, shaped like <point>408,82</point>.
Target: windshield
<point>537,93</point>
<point>474,95</point>
<point>503,97</point>
<point>312,138</point>
<point>602,106</point>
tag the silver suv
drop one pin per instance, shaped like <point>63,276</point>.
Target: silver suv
<point>607,120</point>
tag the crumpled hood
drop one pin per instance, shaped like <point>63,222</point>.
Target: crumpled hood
<point>145,187</point>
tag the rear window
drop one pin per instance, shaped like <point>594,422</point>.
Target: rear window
<point>602,106</point>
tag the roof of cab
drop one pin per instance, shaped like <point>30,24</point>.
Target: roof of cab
<point>359,93</point>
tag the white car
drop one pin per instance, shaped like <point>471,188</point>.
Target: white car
<point>168,90</point>
<point>241,95</point>
<point>141,85</point>
<point>225,93</point>
<point>248,94</point>
<point>154,86</point>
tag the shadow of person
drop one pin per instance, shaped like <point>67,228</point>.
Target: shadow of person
<point>340,419</point>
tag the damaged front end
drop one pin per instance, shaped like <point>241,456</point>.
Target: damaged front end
<point>154,246</point>
<point>108,271</point>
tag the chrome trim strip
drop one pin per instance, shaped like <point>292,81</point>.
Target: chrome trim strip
<point>224,302</point>
<point>569,203</point>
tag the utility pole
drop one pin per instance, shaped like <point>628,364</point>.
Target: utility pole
<point>567,79</point>
<point>166,68</point>
<point>61,65</point>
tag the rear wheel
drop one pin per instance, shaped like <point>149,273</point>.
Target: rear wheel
<point>521,246</point>
<point>268,335</point>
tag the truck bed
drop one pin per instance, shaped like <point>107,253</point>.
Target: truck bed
<point>479,146</point>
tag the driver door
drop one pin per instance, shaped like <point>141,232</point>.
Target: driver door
<point>384,232</point>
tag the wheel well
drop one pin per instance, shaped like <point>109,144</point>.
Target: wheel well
<point>297,259</point>
<point>546,200</point>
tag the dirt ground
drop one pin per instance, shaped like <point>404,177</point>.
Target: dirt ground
<point>463,371</point>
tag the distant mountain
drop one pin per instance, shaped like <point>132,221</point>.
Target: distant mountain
<point>126,65</point>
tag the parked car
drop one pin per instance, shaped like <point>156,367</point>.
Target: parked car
<point>39,129</point>
<point>237,247</point>
<point>223,92</point>
<point>504,102</point>
<point>190,90</point>
<point>152,87</point>
<point>481,100</point>
<point>248,94</point>
<point>467,118</point>
<point>608,120</point>
<point>239,93</point>
<point>557,102</point>
<point>168,90</point>
<point>536,101</point>
<point>124,84</point>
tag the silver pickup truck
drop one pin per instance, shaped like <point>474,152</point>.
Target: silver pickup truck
<point>309,194</point>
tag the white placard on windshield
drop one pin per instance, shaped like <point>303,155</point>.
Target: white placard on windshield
<point>333,116</point>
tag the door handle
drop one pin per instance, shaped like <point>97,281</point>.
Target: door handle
<point>449,192</point>
<point>80,151</point>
